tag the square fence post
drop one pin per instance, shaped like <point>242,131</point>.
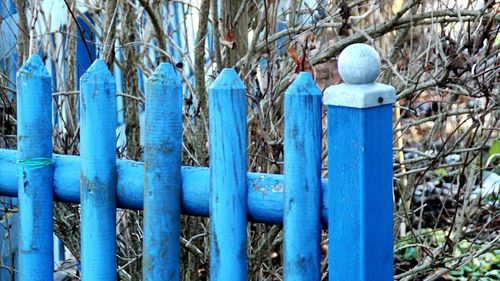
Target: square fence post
<point>360,170</point>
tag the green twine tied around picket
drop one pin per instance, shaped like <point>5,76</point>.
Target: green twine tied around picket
<point>34,163</point>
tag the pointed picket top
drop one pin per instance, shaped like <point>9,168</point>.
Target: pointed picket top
<point>228,79</point>
<point>98,72</point>
<point>33,67</point>
<point>303,85</point>
<point>164,74</point>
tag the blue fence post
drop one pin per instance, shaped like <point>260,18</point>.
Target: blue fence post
<point>34,140</point>
<point>360,169</point>
<point>162,175</point>
<point>302,208</point>
<point>228,175</point>
<point>98,173</point>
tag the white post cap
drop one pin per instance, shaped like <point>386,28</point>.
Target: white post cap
<point>359,67</point>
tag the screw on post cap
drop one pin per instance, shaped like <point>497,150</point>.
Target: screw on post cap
<point>359,64</point>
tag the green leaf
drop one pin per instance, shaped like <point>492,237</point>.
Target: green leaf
<point>457,272</point>
<point>410,254</point>
<point>441,172</point>
<point>495,148</point>
<point>495,274</point>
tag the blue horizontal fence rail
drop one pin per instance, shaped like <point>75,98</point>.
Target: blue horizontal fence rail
<point>354,204</point>
<point>265,191</point>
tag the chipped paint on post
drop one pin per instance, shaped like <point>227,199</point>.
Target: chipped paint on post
<point>162,175</point>
<point>35,170</point>
<point>98,173</point>
<point>228,182</point>
<point>302,194</point>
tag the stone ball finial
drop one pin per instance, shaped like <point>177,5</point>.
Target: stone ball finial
<point>359,64</point>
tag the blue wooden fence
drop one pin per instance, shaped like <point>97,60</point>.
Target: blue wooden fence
<point>355,203</point>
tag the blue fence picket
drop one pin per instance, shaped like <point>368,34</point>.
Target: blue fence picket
<point>302,204</point>
<point>228,170</point>
<point>360,169</point>
<point>35,171</point>
<point>162,173</point>
<point>98,173</point>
